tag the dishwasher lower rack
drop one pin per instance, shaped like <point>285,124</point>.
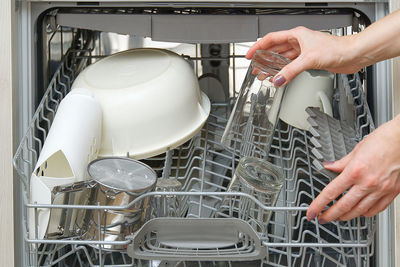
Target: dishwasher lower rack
<point>205,169</point>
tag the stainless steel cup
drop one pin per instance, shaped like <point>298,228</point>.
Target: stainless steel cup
<point>119,181</point>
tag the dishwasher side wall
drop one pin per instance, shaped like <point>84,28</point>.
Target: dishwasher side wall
<point>6,133</point>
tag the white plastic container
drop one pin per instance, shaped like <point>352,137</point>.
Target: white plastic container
<point>72,142</point>
<point>311,88</point>
<point>150,99</point>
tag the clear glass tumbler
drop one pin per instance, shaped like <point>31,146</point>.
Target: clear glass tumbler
<point>167,205</point>
<point>251,125</point>
<point>257,178</point>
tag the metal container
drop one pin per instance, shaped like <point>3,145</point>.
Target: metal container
<point>68,222</point>
<point>119,181</point>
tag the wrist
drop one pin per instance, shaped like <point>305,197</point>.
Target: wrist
<point>358,52</point>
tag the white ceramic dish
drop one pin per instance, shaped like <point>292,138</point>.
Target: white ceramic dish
<point>150,99</point>
<point>212,87</point>
<point>311,88</point>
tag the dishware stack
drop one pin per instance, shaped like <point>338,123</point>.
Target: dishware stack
<point>137,103</point>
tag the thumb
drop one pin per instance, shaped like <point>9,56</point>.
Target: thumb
<point>339,165</point>
<point>290,71</point>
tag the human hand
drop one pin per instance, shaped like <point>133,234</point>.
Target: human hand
<point>309,50</point>
<point>371,171</point>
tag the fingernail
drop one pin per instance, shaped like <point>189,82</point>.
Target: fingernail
<point>278,81</point>
<point>311,216</point>
<point>322,221</point>
<point>327,163</point>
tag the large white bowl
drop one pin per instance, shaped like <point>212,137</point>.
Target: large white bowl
<point>150,99</point>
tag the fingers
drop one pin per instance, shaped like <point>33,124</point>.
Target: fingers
<point>339,165</point>
<point>268,41</point>
<point>290,54</point>
<point>350,204</point>
<point>290,71</point>
<point>380,205</point>
<point>328,194</point>
<point>372,200</point>
<point>285,43</point>
<point>281,48</point>
<point>261,75</point>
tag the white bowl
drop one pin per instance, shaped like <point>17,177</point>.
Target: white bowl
<point>150,99</point>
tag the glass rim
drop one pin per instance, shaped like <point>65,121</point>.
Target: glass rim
<point>132,162</point>
<point>269,61</point>
<point>268,167</point>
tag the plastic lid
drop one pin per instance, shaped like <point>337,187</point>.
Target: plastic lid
<point>122,174</point>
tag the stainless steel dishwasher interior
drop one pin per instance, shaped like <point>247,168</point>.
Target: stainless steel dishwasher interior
<point>201,165</point>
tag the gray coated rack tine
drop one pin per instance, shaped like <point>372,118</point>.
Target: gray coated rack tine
<point>315,142</point>
<point>320,167</point>
<point>338,132</point>
<point>332,139</point>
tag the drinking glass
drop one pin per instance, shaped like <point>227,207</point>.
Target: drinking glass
<point>167,205</point>
<point>251,125</point>
<point>257,178</point>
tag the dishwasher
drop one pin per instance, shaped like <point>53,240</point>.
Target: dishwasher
<point>59,39</point>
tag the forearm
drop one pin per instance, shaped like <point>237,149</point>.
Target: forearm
<point>379,41</point>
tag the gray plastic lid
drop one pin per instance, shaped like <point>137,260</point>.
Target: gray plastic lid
<point>122,174</point>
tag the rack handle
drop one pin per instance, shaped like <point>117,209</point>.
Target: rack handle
<point>196,239</point>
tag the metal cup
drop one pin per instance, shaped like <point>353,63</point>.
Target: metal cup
<point>119,181</point>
